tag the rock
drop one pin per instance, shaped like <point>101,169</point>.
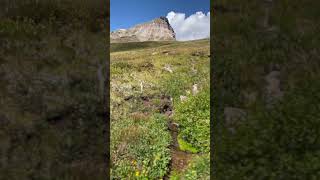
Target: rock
<point>168,68</point>
<point>273,91</point>
<point>195,89</point>
<point>156,30</point>
<point>233,116</point>
<point>183,98</point>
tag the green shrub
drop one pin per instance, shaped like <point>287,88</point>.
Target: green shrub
<point>194,117</point>
<point>278,143</point>
<point>199,168</point>
<point>185,146</point>
<point>175,85</point>
<point>147,154</point>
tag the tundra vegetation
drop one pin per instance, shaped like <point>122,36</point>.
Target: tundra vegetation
<point>266,89</point>
<point>51,115</point>
<point>155,133</point>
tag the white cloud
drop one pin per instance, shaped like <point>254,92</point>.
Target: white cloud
<point>196,26</point>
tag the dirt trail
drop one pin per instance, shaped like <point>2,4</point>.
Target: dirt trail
<point>179,159</point>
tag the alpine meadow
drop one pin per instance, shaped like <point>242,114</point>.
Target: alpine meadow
<point>160,104</point>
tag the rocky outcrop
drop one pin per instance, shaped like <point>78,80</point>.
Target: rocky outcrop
<point>273,88</point>
<point>156,30</point>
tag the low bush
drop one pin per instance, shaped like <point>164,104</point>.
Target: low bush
<point>140,148</point>
<point>278,143</point>
<point>193,115</point>
<point>199,168</point>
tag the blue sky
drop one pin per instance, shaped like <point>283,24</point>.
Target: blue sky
<point>127,13</point>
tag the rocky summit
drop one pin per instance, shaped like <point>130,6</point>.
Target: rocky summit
<point>158,29</point>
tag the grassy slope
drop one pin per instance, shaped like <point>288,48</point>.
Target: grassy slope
<point>138,152</point>
<point>276,143</point>
<point>51,113</point>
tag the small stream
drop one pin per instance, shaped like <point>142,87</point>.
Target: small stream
<point>179,159</point>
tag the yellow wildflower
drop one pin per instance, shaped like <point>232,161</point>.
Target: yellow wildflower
<point>137,173</point>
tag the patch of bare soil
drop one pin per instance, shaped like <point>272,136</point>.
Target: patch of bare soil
<point>179,159</point>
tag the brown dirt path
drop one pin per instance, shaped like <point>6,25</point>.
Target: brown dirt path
<point>179,159</point>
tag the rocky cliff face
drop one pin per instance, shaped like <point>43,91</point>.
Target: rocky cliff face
<point>156,30</point>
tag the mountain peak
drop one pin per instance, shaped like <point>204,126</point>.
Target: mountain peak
<point>158,29</point>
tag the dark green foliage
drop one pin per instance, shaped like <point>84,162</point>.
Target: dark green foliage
<point>283,140</point>
<point>52,114</point>
<point>194,117</point>
<point>142,88</point>
<point>185,146</point>
<point>278,141</point>
<point>199,168</point>
<point>145,142</point>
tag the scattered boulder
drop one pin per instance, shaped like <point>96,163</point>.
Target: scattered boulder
<point>273,91</point>
<point>183,98</point>
<point>195,89</point>
<point>168,68</point>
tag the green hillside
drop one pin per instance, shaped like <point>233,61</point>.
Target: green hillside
<point>52,109</point>
<point>266,89</point>
<point>155,134</point>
